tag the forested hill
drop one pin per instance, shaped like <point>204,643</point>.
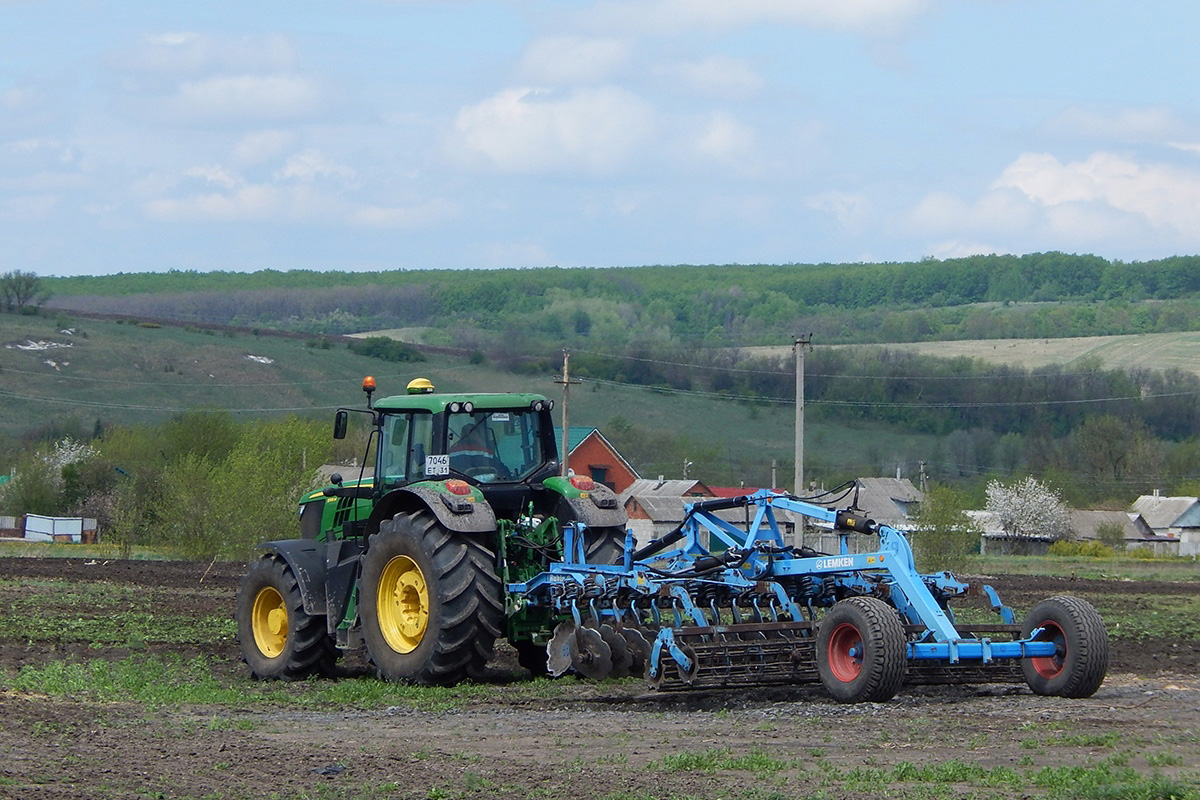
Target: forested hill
<point>1036,295</point>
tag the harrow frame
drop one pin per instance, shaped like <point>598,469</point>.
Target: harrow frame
<point>746,608</point>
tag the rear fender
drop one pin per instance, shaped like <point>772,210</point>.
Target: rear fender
<point>596,508</point>
<point>456,513</point>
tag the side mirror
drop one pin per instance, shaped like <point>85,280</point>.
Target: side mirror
<point>340,421</point>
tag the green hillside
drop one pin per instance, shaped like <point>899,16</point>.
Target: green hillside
<point>109,373</point>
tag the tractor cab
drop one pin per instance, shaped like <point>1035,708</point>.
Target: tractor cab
<point>503,444</point>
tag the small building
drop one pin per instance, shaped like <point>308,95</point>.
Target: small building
<point>1135,532</point>
<point>590,453</point>
<point>1176,518</point>
<point>60,529</point>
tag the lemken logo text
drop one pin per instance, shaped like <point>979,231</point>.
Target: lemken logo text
<point>835,563</point>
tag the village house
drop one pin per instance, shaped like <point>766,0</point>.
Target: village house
<point>590,453</point>
<point>1175,518</point>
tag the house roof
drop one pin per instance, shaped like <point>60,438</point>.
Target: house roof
<point>1163,512</point>
<point>665,488</point>
<point>670,509</point>
<point>576,434</point>
<point>736,491</point>
<point>886,500</point>
<point>1133,526</point>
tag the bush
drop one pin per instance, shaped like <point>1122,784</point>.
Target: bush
<point>386,349</point>
<point>944,537</point>
<point>1086,548</point>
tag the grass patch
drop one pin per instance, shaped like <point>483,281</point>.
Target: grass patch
<point>174,681</point>
<point>102,614</point>
<point>756,761</point>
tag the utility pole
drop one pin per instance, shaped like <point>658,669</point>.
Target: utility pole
<point>566,384</point>
<point>799,346</point>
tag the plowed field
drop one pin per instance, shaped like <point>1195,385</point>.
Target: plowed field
<point>68,620</point>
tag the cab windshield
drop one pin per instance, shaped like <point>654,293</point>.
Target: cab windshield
<point>494,446</point>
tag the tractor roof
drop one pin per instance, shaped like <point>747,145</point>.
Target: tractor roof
<point>437,403</point>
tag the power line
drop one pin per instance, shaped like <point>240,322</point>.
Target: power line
<point>169,409</point>
<point>880,404</point>
<point>1028,373</point>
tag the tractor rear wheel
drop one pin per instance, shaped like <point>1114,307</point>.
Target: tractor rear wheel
<point>429,601</point>
<point>1080,660</point>
<point>861,652</point>
<point>604,545</point>
<point>277,638</point>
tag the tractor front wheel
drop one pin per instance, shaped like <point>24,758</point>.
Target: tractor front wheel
<point>1080,659</point>
<point>277,638</point>
<point>429,602</point>
<point>861,651</point>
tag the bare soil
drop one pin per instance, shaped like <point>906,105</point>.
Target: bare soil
<point>608,740</point>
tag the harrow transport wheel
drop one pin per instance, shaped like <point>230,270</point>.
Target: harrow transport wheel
<point>1080,661</point>
<point>278,639</point>
<point>861,651</point>
<point>429,602</point>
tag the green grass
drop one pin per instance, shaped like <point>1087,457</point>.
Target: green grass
<point>103,614</point>
<point>173,681</point>
<point>1118,568</point>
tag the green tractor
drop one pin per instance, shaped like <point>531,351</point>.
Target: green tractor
<point>412,562</point>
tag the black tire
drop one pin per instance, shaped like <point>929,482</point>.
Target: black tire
<point>861,651</point>
<point>1078,667</point>
<point>277,638</point>
<point>429,602</point>
<point>604,545</point>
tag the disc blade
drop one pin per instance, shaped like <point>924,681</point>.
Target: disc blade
<point>639,650</point>
<point>558,658</point>
<point>622,659</point>
<point>590,654</point>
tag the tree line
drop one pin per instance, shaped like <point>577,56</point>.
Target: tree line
<point>1036,295</point>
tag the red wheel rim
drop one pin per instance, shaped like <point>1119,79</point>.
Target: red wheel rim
<point>845,652</point>
<point>1050,666</point>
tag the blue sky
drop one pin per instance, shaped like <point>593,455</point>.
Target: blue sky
<point>147,136</point>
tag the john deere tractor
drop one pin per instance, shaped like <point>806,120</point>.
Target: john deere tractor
<point>412,561</point>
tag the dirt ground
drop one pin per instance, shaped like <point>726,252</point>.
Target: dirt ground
<point>608,740</point>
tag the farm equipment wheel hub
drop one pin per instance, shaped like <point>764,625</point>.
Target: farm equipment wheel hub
<point>1050,666</point>
<point>845,652</point>
<point>403,604</point>
<point>270,622</point>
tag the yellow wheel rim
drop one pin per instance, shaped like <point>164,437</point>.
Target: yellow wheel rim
<point>403,604</point>
<point>269,621</point>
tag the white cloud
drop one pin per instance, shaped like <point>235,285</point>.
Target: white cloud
<point>715,76</point>
<point>311,165</point>
<point>674,16</point>
<point>254,148</point>
<point>248,97</point>
<point>526,130</point>
<point>216,175</point>
<point>186,52</point>
<point>995,211</point>
<point>559,60</point>
<point>1040,202</point>
<point>247,203</point>
<point>1164,196</point>
<point>852,211</point>
<point>955,248</point>
<point>1153,123</point>
<point>725,139</point>
<point>420,215</point>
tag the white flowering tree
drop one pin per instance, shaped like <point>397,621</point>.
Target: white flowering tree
<point>1028,510</point>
